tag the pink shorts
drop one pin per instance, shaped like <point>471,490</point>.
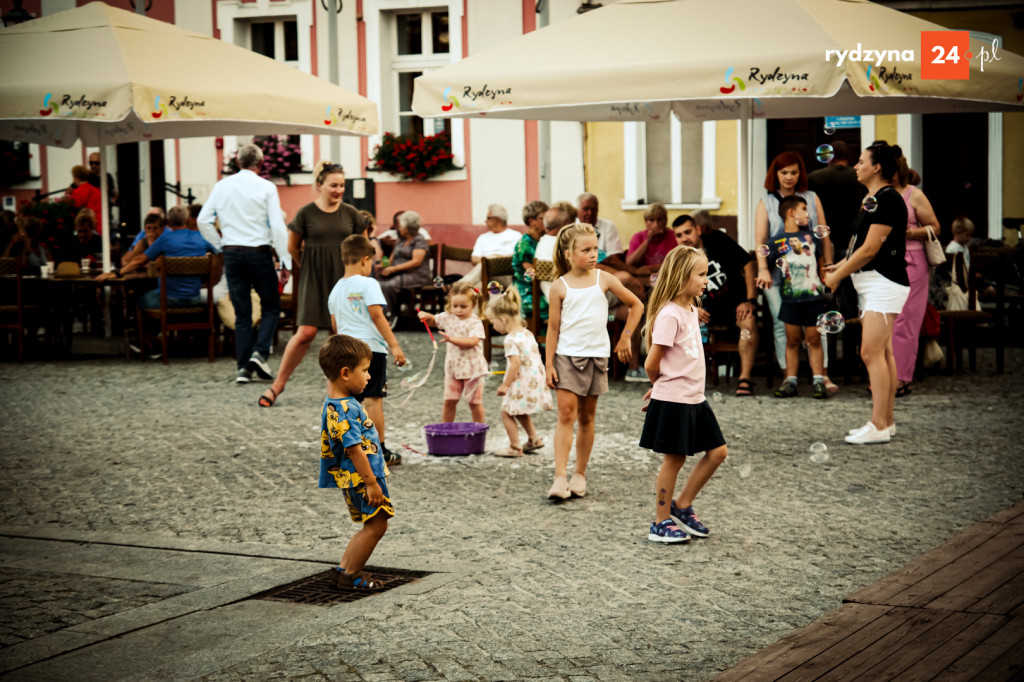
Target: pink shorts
<point>470,389</point>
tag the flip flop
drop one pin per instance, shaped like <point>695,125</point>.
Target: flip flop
<point>264,401</point>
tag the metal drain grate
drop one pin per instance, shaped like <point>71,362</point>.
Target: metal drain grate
<point>320,590</point>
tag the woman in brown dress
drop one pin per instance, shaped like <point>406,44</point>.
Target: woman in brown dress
<point>314,241</point>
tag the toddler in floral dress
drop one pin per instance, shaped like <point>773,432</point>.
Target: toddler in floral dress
<point>465,366</point>
<point>524,388</point>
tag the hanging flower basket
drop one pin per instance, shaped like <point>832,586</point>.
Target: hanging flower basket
<point>281,158</point>
<point>414,157</point>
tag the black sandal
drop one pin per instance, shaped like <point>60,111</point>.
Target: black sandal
<point>264,401</point>
<point>357,581</point>
<point>744,388</point>
<point>902,390</point>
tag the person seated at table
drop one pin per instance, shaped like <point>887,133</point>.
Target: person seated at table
<point>86,244</point>
<point>388,238</point>
<point>730,299</point>
<point>28,242</point>
<point>498,241</point>
<point>193,216</point>
<point>152,228</point>
<point>371,227</point>
<point>523,255</point>
<point>650,246</point>
<point>409,266</point>
<point>177,241</point>
<point>153,211</point>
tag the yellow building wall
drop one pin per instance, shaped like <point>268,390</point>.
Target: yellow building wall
<point>885,128</point>
<point>727,178</point>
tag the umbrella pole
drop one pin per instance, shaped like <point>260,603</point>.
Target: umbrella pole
<point>105,223</point>
<point>745,227</point>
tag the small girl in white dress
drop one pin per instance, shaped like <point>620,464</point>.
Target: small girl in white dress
<point>524,388</point>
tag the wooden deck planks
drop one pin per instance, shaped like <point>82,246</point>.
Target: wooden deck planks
<point>955,613</point>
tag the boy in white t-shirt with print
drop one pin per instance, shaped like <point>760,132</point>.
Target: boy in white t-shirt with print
<point>357,305</point>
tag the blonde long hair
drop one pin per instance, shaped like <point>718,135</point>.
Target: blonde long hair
<point>567,237</point>
<point>673,276</point>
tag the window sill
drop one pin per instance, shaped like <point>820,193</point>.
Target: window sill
<point>710,204</point>
<point>450,176</point>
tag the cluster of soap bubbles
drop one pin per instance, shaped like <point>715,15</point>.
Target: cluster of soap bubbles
<point>529,274</point>
<point>824,153</point>
<point>831,322</point>
<point>495,288</point>
<point>870,204</point>
<point>821,231</point>
<point>819,453</point>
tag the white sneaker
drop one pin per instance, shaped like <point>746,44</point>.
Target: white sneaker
<point>891,429</point>
<point>868,434</point>
<point>637,376</point>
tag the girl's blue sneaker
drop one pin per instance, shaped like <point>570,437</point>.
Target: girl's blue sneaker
<point>688,520</point>
<point>667,532</point>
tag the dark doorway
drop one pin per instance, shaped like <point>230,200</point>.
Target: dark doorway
<point>954,170</point>
<point>128,190</point>
<point>803,136</point>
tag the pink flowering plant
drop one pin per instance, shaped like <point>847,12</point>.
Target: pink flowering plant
<point>281,157</point>
<point>415,157</point>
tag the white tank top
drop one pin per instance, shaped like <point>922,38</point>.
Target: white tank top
<point>583,332</point>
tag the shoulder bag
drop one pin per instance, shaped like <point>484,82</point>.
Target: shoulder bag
<point>933,248</point>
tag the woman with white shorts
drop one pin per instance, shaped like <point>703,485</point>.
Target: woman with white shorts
<point>876,264</point>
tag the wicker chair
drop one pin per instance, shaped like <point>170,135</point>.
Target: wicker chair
<point>193,318</point>
<point>490,268</point>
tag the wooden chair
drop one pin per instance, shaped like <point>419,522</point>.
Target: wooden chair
<point>453,253</point>
<point>193,318</point>
<point>14,312</point>
<point>962,325</point>
<point>544,271</point>
<point>490,268</point>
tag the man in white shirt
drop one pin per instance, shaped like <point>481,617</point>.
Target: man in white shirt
<point>251,230</point>
<point>608,239</point>
<point>499,240</point>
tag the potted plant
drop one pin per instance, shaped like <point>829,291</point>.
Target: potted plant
<point>281,157</point>
<point>414,157</point>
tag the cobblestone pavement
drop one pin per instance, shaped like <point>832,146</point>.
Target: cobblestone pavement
<point>570,591</point>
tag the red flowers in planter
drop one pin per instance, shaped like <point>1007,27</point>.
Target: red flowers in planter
<point>414,157</point>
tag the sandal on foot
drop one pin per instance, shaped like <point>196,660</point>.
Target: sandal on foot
<point>266,401</point>
<point>577,485</point>
<point>533,445</point>
<point>744,388</point>
<point>510,452</point>
<point>559,489</point>
<point>357,581</point>
<point>830,387</point>
<point>902,390</point>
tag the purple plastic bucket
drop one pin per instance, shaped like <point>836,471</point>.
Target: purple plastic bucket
<point>456,438</point>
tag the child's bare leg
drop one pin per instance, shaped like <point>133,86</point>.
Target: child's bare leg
<point>567,408</point>
<point>527,424</point>
<point>375,410</point>
<point>448,411</point>
<point>511,428</point>
<point>585,433</point>
<point>793,338</point>
<point>477,411</point>
<point>815,353</point>
<point>362,544</point>
<point>700,475</point>
<point>666,485</point>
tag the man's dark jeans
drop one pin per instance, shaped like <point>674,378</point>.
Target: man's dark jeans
<point>246,270</point>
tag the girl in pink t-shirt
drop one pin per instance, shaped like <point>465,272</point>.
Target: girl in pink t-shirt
<point>679,421</point>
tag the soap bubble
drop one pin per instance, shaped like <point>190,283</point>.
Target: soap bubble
<point>824,153</point>
<point>819,453</point>
<point>821,231</point>
<point>495,288</point>
<point>529,274</point>
<point>746,470</point>
<point>831,322</point>
<point>404,368</point>
<point>781,264</point>
<point>870,204</point>
<point>745,334</point>
<point>829,129</point>
<point>439,282</point>
<point>654,278</point>
<point>716,396</point>
<point>764,250</point>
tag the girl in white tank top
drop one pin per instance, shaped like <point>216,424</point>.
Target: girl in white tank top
<point>578,348</point>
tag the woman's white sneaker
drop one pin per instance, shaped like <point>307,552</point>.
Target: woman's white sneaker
<point>891,429</point>
<point>868,434</point>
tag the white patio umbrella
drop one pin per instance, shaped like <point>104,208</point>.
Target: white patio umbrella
<point>641,60</point>
<point>150,80</point>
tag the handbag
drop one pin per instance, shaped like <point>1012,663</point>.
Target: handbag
<point>956,299</point>
<point>933,248</point>
<point>931,354</point>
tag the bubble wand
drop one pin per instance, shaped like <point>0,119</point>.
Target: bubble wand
<point>411,383</point>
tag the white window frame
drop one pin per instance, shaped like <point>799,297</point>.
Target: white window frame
<point>635,167</point>
<point>380,67</point>
<point>233,19</point>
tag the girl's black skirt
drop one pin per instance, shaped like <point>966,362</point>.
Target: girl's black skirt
<point>680,428</point>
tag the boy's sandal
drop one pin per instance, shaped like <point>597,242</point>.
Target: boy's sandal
<point>357,581</point>
<point>533,445</point>
<point>510,452</point>
<point>267,401</point>
<point>744,388</point>
<point>902,390</point>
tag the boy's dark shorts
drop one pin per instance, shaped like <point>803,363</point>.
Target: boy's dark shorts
<point>802,314</point>
<point>378,384</point>
<point>359,509</point>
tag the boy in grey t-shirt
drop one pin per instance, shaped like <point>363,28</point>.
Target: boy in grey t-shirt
<point>357,305</point>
